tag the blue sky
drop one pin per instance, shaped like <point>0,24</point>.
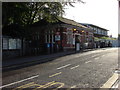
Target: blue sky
<point>103,13</point>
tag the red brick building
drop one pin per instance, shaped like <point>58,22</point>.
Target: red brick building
<point>49,38</point>
<point>59,36</point>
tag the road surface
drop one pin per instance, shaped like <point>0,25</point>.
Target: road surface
<point>82,70</point>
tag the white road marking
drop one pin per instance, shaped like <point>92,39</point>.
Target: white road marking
<point>73,86</point>
<point>75,67</point>
<point>115,86</point>
<point>94,56</point>
<point>117,71</point>
<point>64,66</point>
<point>88,61</point>
<point>77,56</point>
<point>103,55</point>
<point>19,81</point>
<point>111,81</point>
<point>97,58</point>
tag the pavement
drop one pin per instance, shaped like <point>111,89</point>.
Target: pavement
<point>21,62</point>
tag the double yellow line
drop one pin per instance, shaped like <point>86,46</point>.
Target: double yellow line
<point>51,84</point>
<point>24,86</point>
<point>40,86</point>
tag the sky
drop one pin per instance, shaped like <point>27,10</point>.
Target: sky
<point>103,13</point>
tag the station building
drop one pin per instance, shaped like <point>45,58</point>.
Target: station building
<point>47,38</point>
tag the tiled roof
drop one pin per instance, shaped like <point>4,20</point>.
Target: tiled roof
<point>71,22</point>
<point>60,21</point>
<point>94,26</point>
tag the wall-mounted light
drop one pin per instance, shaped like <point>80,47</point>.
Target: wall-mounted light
<point>83,31</point>
<point>74,29</point>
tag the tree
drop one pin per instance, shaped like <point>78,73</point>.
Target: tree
<point>12,13</point>
<point>70,3</point>
<point>26,13</point>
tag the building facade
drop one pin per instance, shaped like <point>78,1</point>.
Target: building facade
<point>60,36</point>
<point>13,45</point>
<point>98,31</point>
<point>47,38</point>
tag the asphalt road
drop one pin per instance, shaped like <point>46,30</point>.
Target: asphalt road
<point>82,70</point>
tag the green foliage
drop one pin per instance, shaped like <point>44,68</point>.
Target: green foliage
<point>96,39</point>
<point>108,38</point>
<point>26,13</point>
<point>103,38</point>
<point>71,3</point>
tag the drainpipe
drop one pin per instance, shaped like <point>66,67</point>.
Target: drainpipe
<point>61,37</point>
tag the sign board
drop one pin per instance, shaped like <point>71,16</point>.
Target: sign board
<point>57,33</point>
<point>73,40</point>
<point>48,45</point>
<point>77,46</point>
<point>57,37</point>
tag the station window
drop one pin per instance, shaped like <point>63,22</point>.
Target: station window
<point>5,43</point>
<point>10,43</point>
